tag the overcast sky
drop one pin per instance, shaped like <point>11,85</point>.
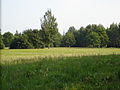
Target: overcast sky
<point>24,14</point>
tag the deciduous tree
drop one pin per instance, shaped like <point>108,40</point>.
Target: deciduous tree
<point>7,38</point>
<point>20,42</point>
<point>68,40</point>
<point>1,41</point>
<point>49,28</point>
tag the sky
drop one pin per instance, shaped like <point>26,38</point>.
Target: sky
<point>25,14</point>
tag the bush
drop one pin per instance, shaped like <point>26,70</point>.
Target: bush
<point>20,43</point>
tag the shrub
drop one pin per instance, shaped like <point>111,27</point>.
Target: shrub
<point>20,43</point>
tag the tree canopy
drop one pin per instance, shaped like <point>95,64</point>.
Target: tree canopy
<point>68,40</point>
<point>92,35</point>
<point>20,42</point>
<point>114,35</point>
<point>1,41</point>
<point>7,38</point>
<point>49,28</point>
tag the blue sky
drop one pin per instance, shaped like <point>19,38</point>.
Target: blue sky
<point>24,14</point>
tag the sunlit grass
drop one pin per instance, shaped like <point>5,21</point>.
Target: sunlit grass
<point>9,55</point>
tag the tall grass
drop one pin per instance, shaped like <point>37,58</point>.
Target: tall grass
<point>65,73</point>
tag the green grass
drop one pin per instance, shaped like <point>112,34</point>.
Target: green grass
<point>100,72</point>
<point>60,69</point>
<point>9,55</point>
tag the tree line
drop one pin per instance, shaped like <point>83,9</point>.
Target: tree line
<point>48,36</point>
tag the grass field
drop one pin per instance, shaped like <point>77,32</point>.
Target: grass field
<point>9,55</point>
<point>60,69</point>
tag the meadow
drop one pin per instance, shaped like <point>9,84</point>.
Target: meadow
<point>9,55</point>
<point>60,69</point>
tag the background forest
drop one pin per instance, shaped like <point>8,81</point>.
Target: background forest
<point>48,36</point>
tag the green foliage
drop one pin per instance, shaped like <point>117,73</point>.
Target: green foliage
<point>93,40</point>
<point>17,34</point>
<point>7,38</point>
<point>100,30</point>
<point>103,35</point>
<point>20,42</point>
<point>114,35</point>
<point>81,37</point>
<point>68,40</point>
<point>70,73</point>
<point>57,40</point>
<point>71,29</point>
<point>84,37</point>
<point>1,42</point>
<point>75,33</point>
<point>34,37</point>
<point>49,28</point>
<point>48,36</point>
